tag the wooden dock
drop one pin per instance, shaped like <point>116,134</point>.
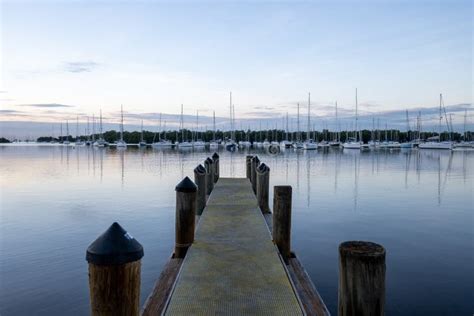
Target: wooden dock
<point>233,267</point>
<point>232,256</point>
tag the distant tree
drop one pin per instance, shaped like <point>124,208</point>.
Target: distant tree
<point>3,140</point>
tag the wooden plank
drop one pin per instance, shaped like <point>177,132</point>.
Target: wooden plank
<point>156,301</point>
<point>307,292</point>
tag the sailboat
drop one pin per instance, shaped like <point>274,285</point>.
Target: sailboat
<point>183,143</point>
<point>66,142</point>
<point>298,144</point>
<point>435,141</point>
<point>465,143</point>
<point>198,143</point>
<point>286,143</point>
<point>337,136</point>
<point>213,143</point>
<point>162,143</point>
<point>408,144</point>
<point>121,143</point>
<point>352,142</point>
<point>230,144</point>
<point>78,141</point>
<point>88,133</point>
<point>309,143</point>
<point>142,142</point>
<point>100,142</point>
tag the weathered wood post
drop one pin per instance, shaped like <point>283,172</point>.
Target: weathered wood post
<point>114,273</point>
<point>217,171</point>
<point>186,193</point>
<point>201,182</point>
<point>209,163</point>
<point>248,163</point>
<point>263,186</point>
<point>281,230</point>
<point>361,279</point>
<point>253,170</point>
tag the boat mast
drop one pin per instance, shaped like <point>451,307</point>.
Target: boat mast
<point>159,132</point>
<point>356,130</point>
<point>197,125</point>
<point>308,132</point>
<point>93,127</point>
<point>100,126</point>
<point>141,134</point>
<point>230,116</point>
<point>408,127</point>
<point>67,130</point>
<point>77,128</point>
<point>465,122</point>
<point>440,118</point>
<point>214,125</point>
<point>88,130</point>
<point>182,124</point>
<point>61,134</point>
<point>286,126</point>
<point>338,135</point>
<point>298,123</point>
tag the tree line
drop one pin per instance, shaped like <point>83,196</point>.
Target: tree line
<point>252,136</point>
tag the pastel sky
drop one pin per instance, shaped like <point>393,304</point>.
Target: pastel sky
<point>60,59</point>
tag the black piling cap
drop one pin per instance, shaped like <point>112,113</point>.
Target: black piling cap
<point>215,156</point>
<point>200,169</point>
<point>187,185</point>
<point>114,247</point>
<point>209,161</point>
<point>255,158</point>
<point>263,168</point>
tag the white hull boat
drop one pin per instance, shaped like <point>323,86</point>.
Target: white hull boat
<point>436,145</point>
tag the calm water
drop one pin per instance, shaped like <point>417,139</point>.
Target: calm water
<point>55,201</point>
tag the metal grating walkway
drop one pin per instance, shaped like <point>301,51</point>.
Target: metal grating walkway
<point>233,266</point>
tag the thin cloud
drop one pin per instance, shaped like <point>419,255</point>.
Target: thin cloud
<point>80,66</point>
<point>47,105</point>
<point>10,112</point>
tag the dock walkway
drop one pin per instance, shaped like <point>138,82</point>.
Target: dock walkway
<point>233,267</point>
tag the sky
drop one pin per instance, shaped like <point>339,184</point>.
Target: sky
<point>63,59</point>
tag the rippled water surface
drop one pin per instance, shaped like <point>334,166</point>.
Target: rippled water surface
<point>419,204</point>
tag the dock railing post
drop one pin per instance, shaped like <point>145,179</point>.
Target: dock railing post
<point>253,179</point>
<point>200,178</point>
<point>209,163</point>
<point>281,230</point>
<point>186,193</point>
<point>361,279</point>
<point>217,171</point>
<point>114,273</point>
<point>248,164</point>
<point>263,186</point>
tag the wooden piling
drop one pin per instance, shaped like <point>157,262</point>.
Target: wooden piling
<point>263,183</point>
<point>281,230</point>
<point>253,170</point>
<point>186,197</point>
<point>248,163</point>
<point>215,159</point>
<point>209,164</point>
<point>361,279</point>
<point>114,273</point>
<point>200,178</point>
